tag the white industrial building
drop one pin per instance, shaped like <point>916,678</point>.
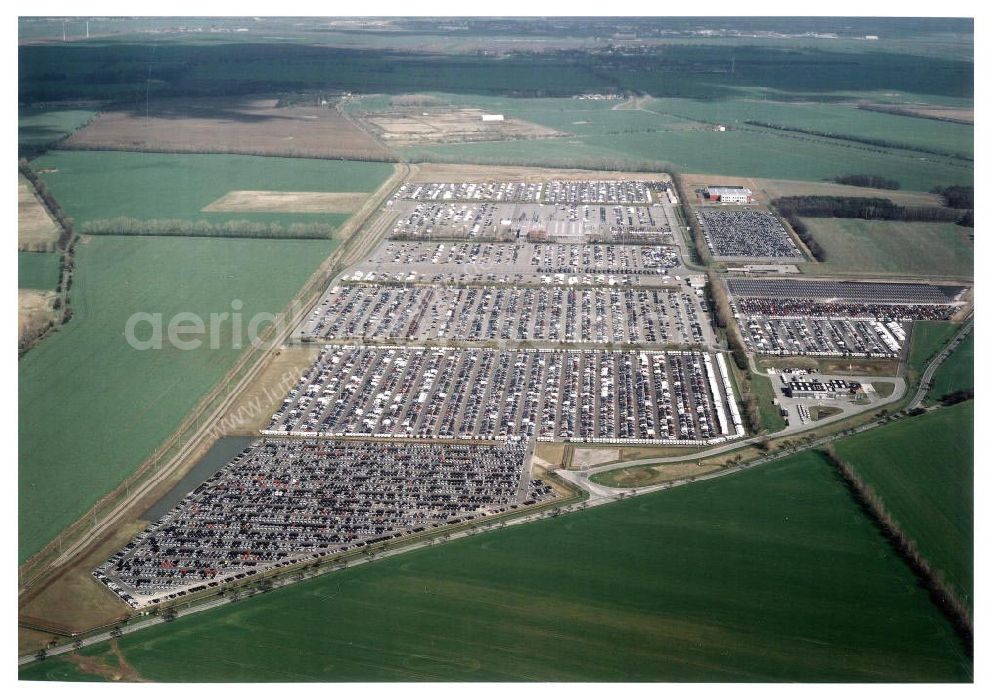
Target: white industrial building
<point>729,195</point>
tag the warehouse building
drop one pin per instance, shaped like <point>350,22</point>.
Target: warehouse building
<point>729,195</point>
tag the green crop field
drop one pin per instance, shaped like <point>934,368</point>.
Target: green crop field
<point>675,131</point>
<point>37,128</point>
<point>855,246</point>
<point>922,469</point>
<point>56,669</point>
<point>754,577</point>
<point>91,407</point>
<point>37,270</point>
<point>837,118</point>
<point>955,372</point>
<point>740,153</point>
<point>927,338</point>
<point>104,185</point>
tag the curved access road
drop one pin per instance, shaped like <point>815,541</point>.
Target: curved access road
<point>935,363</point>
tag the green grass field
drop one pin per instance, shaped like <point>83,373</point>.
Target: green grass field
<point>674,131</point>
<point>770,416</point>
<point>37,270</point>
<point>91,407</point>
<point>740,153</point>
<point>927,338</point>
<point>56,669</point>
<point>104,185</point>
<point>922,468</point>
<point>855,246</point>
<point>38,128</point>
<point>837,118</point>
<point>956,371</point>
<point>754,577</point>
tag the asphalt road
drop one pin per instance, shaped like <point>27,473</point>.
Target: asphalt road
<point>599,495</point>
<point>932,366</point>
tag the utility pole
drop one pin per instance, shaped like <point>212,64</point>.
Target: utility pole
<point>64,30</point>
<point>88,28</point>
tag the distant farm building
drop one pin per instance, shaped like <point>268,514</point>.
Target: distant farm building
<point>729,195</point>
<point>492,117</point>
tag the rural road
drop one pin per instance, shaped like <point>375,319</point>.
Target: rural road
<point>213,602</point>
<point>581,478</point>
<point>599,495</point>
<point>932,366</point>
<point>899,390</point>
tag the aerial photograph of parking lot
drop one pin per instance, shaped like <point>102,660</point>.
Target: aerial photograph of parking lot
<point>495,349</point>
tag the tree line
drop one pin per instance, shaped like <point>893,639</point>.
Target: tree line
<point>956,196</point>
<point>65,246</point>
<point>805,235</point>
<point>618,164</point>
<point>347,154</point>
<point>868,208</point>
<point>722,316</point>
<point>125,225</point>
<point>942,593</point>
<point>865,140</point>
<point>700,253</point>
<point>65,222</point>
<point>874,181</point>
<point>956,397</point>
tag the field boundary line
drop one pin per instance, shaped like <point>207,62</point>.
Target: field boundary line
<point>941,592</point>
<point>574,498</point>
<point>33,572</point>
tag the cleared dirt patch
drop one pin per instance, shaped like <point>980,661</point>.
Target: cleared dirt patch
<point>413,127</point>
<point>639,476</point>
<point>36,231</point>
<point>833,365</point>
<point>289,202</point>
<point>585,458</point>
<point>30,640</point>
<point>226,125</point>
<point>821,412</point>
<point>549,455</point>
<point>256,404</point>
<point>74,599</point>
<point>111,666</point>
<point>34,311</point>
